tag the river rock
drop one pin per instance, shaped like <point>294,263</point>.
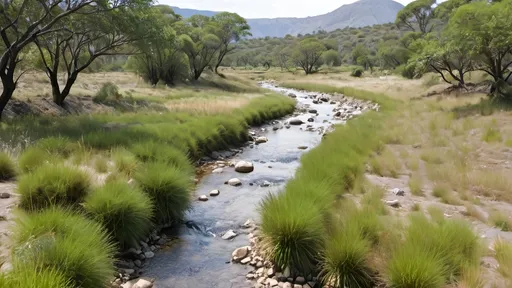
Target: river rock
<point>302,147</point>
<point>288,126</point>
<point>248,224</point>
<point>214,193</point>
<point>234,182</point>
<point>300,280</point>
<point>218,170</point>
<point>398,192</point>
<point>315,102</point>
<point>338,114</point>
<point>229,235</point>
<point>296,121</point>
<point>250,276</point>
<point>143,283</point>
<point>270,272</point>
<point>244,167</point>
<point>311,119</point>
<point>240,253</point>
<point>393,203</point>
<point>313,111</point>
<point>323,98</point>
<point>265,184</point>
<point>261,139</point>
<point>203,198</point>
<point>292,95</point>
<point>5,195</point>
<point>287,285</point>
<point>149,255</point>
<point>245,261</point>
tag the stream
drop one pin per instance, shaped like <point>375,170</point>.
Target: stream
<point>201,258</point>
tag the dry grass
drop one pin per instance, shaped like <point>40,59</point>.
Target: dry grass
<point>208,106</point>
<point>500,220</point>
<point>386,164</point>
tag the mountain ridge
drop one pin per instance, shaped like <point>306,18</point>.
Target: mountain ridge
<point>358,14</point>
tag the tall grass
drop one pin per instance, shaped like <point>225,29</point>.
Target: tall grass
<point>53,185</point>
<point>57,146</point>
<point>169,189</point>
<point>503,251</point>
<point>34,157</point>
<point>76,247</point>
<point>34,277</point>
<point>125,211</point>
<point>151,151</point>
<point>7,167</point>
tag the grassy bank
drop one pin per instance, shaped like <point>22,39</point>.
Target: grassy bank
<point>356,241</point>
<point>76,208</point>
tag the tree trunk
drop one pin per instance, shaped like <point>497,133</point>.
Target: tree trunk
<point>6,95</point>
<point>55,88</point>
<point>65,92</point>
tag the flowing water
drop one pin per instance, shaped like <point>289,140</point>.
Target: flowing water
<point>200,259</point>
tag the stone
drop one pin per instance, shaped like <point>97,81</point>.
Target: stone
<point>292,95</point>
<point>259,264</point>
<point>271,282</point>
<point>230,234</point>
<point>246,260</point>
<point>248,224</point>
<point>250,276</point>
<point>244,167</point>
<point>286,272</point>
<point>218,170</point>
<point>143,283</point>
<point>300,280</point>
<point>288,126</point>
<point>315,102</point>
<point>271,272</point>
<point>203,198</point>
<point>333,102</point>
<point>338,114</point>
<point>234,182</point>
<point>137,263</point>
<point>265,184</point>
<point>261,139</point>
<point>260,271</point>
<point>214,193</point>
<point>149,255</point>
<point>311,119</point>
<point>398,192</point>
<point>302,147</point>
<point>393,203</point>
<point>275,128</point>
<point>5,195</point>
<point>296,121</point>
<point>128,271</point>
<point>287,285</point>
<point>313,111</point>
<point>124,264</point>
<point>240,253</point>
<point>131,253</point>
<point>312,283</point>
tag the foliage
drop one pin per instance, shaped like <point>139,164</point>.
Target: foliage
<point>169,189</point>
<point>357,72</point>
<point>51,185</point>
<point>60,146</point>
<point>29,276</point>
<point>417,15</point>
<point>308,55</point>
<point>125,211</point>
<point>152,151</point>
<point>77,248</point>
<point>32,158</point>
<point>7,167</point>
<point>109,90</point>
<point>331,58</point>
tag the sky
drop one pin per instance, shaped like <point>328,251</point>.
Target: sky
<point>266,8</point>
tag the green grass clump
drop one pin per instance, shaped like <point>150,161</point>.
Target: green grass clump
<point>169,189</point>
<point>101,165</point>
<point>7,167</point>
<point>125,162</point>
<point>57,146</point>
<point>53,185</point>
<point>34,157</point>
<point>292,232</point>
<point>28,276</point>
<point>416,185</point>
<point>344,260</point>
<point>503,251</point>
<point>500,220</point>
<point>151,151</point>
<point>492,134</point>
<point>125,211</point>
<point>78,248</point>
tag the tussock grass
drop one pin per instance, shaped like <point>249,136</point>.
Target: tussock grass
<point>372,200</point>
<point>101,165</point>
<point>444,192</point>
<point>58,239</point>
<point>34,277</point>
<point>168,187</point>
<point>125,162</point>
<point>61,146</point>
<point>492,183</point>
<point>385,164</point>
<point>503,252</point>
<point>7,167</point>
<point>151,151</point>
<point>433,156</point>
<point>53,185</point>
<point>492,134</point>
<point>34,157</point>
<point>472,211</point>
<point>416,185</point>
<point>500,220</point>
<point>125,211</point>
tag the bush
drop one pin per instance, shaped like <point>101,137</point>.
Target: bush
<point>357,72</point>
<point>108,90</point>
<point>53,185</point>
<point>169,189</point>
<point>344,260</point>
<point>124,210</point>
<point>32,158</point>
<point>500,220</point>
<point>29,276</point>
<point>7,167</point>
<point>57,146</point>
<point>58,239</point>
<point>407,71</point>
<point>151,151</point>
<point>293,240</point>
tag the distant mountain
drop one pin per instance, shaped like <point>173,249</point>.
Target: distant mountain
<point>359,14</point>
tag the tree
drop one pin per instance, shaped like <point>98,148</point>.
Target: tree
<point>230,28</point>
<point>391,54</point>
<point>201,48</point>
<point>84,38</point>
<point>282,57</point>
<point>486,29</point>
<point>360,54</point>
<point>418,13</point>
<point>307,54</point>
<point>331,58</point>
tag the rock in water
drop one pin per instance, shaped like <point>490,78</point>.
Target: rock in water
<point>5,195</point>
<point>311,120</point>
<point>393,203</point>
<point>234,182</point>
<point>302,147</point>
<point>142,283</point>
<point>292,95</point>
<point>214,193</point>
<point>296,121</point>
<point>261,139</point>
<point>312,111</point>
<point>218,171</point>
<point>203,198</point>
<point>229,235</point>
<point>398,192</point>
<point>240,253</point>
<point>244,167</point>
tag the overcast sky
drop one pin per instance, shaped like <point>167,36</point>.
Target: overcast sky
<point>266,8</point>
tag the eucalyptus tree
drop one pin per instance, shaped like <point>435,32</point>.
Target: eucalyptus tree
<point>418,14</point>
<point>308,55</point>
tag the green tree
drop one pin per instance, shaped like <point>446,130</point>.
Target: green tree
<point>391,54</point>
<point>486,29</point>
<point>282,57</point>
<point>418,13</point>
<point>331,58</point>
<point>230,28</point>
<point>359,54</point>
<point>308,55</point>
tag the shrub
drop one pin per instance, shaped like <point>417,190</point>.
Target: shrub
<point>7,167</point>
<point>344,260</point>
<point>500,220</point>
<point>415,185</point>
<point>53,185</point>
<point>57,146</point>
<point>492,134</point>
<point>169,189</point>
<point>58,239</point>
<point>108,90</point>
<point>32,158</point>
<point>293,240</point>
<point>124,210</point>
<point>151,151</point>
<point>29,276</point>
<point>357,72</point>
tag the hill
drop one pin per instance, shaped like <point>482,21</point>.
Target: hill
<point>359,14</point>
